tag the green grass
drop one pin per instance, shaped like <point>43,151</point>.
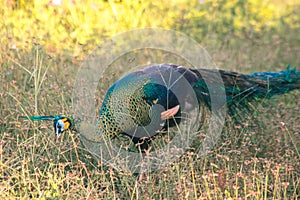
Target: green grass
<point>256,160</point>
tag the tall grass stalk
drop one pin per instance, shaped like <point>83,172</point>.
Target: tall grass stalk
<point>39,76</point>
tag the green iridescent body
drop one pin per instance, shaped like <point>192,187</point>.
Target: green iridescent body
<point>124,108</point>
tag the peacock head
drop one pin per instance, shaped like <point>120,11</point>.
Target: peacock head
<point>61,124</point>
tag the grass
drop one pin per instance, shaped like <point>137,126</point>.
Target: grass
<point>258,159</point>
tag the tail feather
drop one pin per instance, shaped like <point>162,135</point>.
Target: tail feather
<point>240,89</point>
<point>278,82</point>
<point>259,84</point>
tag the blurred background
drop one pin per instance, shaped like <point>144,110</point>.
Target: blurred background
<point>263,30</point>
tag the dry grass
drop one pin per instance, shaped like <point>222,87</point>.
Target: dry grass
<point>255,160</point>
<point>258,159</point>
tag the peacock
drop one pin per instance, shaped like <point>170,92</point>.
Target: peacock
<point>143,103</point>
